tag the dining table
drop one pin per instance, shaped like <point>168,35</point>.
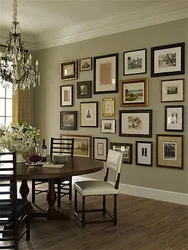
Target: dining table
<point>73,166</point>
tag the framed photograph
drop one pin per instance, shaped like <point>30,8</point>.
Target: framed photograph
<point>82,144</point>
<point>84,89</point>
<point>108,106</point>
<point>86,64</point>
<point>100,148</point>
<point>174,118</point>
<point>108,126</point>
<point>168,60</point>
<point>135,123</point>
<point>135,62</point>
<point>170,151</point>
<point>172,90</point>
<point>69,70</point>
<point>144,151</point>
<point>134,92</point>
<point>125,148</point>
<point>106,74</point>
<point>66,96</point>
<point>68,120</point>
<point>89,114</point>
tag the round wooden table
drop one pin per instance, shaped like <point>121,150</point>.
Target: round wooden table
<point>72,167</point>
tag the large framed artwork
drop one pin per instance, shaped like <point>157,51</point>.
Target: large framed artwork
<point>144,150</point>
<point>68,120</point>
<point>69,70</point>
<point>106,74</point>
<point>89,114</point>
<point>84,89</point>
<point>134,92</point>
<point>66,96</point>
<point>125,148</point>
<point>169,151</point>
<point>100,148</point>
<point>135,123</point>
<point>135,62</point>
<point>82,144</point>
<point>172,90</point>
<point>168,60</point>
<point>174,118</point>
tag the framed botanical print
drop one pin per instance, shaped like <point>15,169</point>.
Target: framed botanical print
<point>66,95</point>
<point>84,89</point>
<point>169,151</point>
<point>106,74</point>
<point>144,151</point>
<point>68,120</point>
<point>172,90</point>
<point>108,126</point>
<point>125,148</point>
<point>89,114</point>
<point>168,60</point>
<point>69,70</point>
<point>100,148</point>
<point>174,118</point>
<point>108,106</point>
<point>134,92</point>
<point>86,64</point>
<point>135,62</point>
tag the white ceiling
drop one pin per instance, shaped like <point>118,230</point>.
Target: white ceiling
<point>48,23</point>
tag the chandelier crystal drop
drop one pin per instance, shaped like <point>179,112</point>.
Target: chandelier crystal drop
<point>15,66</point>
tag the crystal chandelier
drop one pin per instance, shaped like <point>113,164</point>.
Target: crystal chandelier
<point>15,66</point>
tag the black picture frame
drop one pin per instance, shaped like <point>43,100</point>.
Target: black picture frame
<point>66,95</point>
<point>68,120</point>
<point>84,89</point>
<point>106,74</point>
<point>89,114</point>
<point>144,153</point>
<point>174,118</point>
<point>125,148</point>
<point>69,70</point>
<point>162,65</point>
<point>100,148</point>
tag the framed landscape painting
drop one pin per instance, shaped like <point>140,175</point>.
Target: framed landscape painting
<point>172,90</point>
<point>68,120</point>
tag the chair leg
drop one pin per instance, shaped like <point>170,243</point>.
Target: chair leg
<point>104,205</point>
<point>28,227</point>
<point>59,193</point>
<point>75,201</point>
<point>83,212</point>
<point>115,210</point>
<point>33,191</point>
<point>70,189</point>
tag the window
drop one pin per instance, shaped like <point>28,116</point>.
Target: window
<point>5,106</point>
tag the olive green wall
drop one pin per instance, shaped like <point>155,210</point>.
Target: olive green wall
<point>47,108</point>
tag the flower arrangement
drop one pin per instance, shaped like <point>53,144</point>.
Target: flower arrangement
<point>19,137</point>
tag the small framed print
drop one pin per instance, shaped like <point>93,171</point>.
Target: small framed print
<point>144,152</point>
<point>69,70</point>
<point>100,148</point>
<point>174,118</point>
<point>84,89</point>
<point>86,64</point>
<point>68,120</point>
<point>108,126</point>
<point>134,92</point>
<point>168,60</point>
<point>172,90</point>
<point>170,151</point>
<point>135,62</point>
<point>66,96</point>
<point>108,106</point>
<point>89,114</point>
<point>125,148</point>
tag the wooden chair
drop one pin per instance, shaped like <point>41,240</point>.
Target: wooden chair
<point>100,188</point>
<point>13,211</point>
<point>58,147</point>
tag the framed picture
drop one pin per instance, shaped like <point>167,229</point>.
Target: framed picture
<point>134,92</point>
<point>168,60</point>
<point>106,74</point>
<point>68,120</point>
<point>66,96</point>
<point>86,64</point>
<point>172,90</point>
<point>89,114</point>
<point>108,126</point>
<point>137,123</point>
<point>68,70</point>
<point>174,118</point>
<point>125,148</point>
<point>144,151</point>
<point>82,144</point>
<point>100,148</point>
<point>135,62</point>
<point>170,151</point>
<point>84,89</point>
<point>108,106</point>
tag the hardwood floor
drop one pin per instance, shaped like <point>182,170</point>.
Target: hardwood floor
<point>143,224</point>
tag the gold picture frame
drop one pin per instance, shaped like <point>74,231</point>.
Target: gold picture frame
<point>108,106</point>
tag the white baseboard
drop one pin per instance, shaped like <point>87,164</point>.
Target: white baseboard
<point>150,193</point>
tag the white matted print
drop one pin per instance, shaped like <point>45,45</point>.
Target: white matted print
<point>144,153</point>
<point>100,148</point>
<point>66,95</point>
<point>89,114</point>
<point>172,90</point>
<point>108,126</point>
<point>174,118</point>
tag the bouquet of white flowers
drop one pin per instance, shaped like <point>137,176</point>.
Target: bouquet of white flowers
<point>19,137</point>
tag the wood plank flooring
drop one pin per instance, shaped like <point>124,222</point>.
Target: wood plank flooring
<point>143,224</point>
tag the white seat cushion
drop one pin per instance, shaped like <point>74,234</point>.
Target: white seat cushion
<point>86,188</point>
